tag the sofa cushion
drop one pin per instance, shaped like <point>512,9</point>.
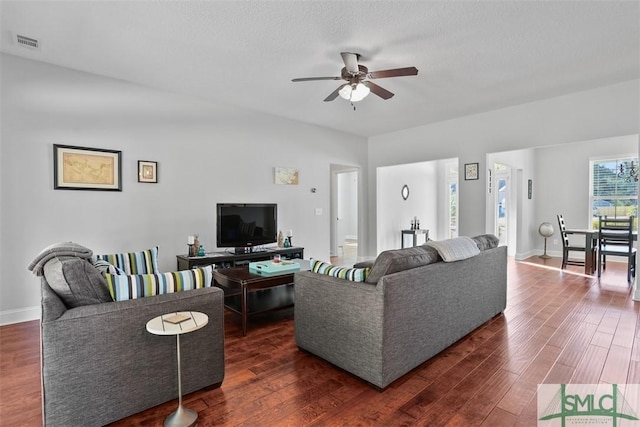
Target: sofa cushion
<point>76,281</point>
<point>455,249</point>
<point>486,241</point>
<point>132,286</point>
<point>353,274</point>
<point>142,262</point>
<point>395,260</point>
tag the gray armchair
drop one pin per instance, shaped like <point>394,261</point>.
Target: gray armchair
<point>99,364</point>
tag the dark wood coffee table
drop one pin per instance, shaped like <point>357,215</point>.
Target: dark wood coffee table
<point>249,294</point>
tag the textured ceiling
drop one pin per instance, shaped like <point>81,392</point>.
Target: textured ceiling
<point>472,56</point>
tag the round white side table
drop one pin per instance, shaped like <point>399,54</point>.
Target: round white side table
<point>163,325</point>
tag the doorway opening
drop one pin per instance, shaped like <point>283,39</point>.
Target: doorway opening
<point>344,214</point>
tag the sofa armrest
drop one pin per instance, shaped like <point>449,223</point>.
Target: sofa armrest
<point>99,364</point>
<point>340,321</point>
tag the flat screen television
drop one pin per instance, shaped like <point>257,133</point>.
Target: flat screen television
<point>246,225</point>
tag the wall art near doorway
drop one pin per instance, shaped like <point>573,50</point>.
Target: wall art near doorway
<point>83,168</point>
<point>470,171</point>
<point>286,176</point>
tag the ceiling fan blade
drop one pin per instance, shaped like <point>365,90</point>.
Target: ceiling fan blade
<point>350,62</point>
<point>396,72</point>
<point>381,92</point>
<point>308,79</point>
<point>334,94</point>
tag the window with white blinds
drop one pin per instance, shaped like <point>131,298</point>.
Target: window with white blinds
<point>614,188</point>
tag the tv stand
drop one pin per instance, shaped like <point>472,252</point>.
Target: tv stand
<point>229,259</point>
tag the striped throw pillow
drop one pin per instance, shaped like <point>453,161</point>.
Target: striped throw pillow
<point>353,274</point>
<point>132,286</point>
<point>105,267</point>
<point>143,262</point>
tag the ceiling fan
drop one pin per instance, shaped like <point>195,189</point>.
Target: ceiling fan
<point>358,79</point>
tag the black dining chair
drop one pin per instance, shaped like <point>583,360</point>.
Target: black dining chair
<point>616,239</point>
<point>568,247</point>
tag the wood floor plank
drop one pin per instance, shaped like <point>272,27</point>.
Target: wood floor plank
<point>526,386</point>
<point>477,408</point>
<point>616,367</point>
<point>499,418</point>
<point>589,368</point>
<point>625,332</point>
<point>559,327</point>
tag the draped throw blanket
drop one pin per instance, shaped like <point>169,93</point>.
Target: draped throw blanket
<point>455,249</point>
<point>57,250</point>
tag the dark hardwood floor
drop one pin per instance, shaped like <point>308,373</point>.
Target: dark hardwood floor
<point>559,327</point>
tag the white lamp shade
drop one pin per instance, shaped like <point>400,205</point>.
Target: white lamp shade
<point>354,94</point>
<point>345,92</point>
<point>359,93</point>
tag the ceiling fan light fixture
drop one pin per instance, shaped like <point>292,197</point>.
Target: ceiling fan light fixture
<point>358,80</point>
<point>359,93</point>
<point>354,93</point>
<point>345,92</point>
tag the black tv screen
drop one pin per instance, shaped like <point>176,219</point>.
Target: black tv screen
<point>246,224</point>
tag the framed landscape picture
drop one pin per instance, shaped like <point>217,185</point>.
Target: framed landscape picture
<point>83,168</point>
<point>147,171</point>
<point>470,171</point>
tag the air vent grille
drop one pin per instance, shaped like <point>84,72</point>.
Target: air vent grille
<point>27,41</point>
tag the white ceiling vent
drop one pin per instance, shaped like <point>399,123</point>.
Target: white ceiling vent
<point>27,42</point>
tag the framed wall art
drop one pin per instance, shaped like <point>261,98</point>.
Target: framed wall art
<point>147,171</point>
<point>470,171</point>
<point>84,168</point>
<point>286,176</point>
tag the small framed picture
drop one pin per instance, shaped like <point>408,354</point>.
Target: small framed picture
<point>470,171</point>
<point>147,171</point>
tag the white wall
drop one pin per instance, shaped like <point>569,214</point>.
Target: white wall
<point>603,112</point>
<point>396,214</point>
<point>206,154</point>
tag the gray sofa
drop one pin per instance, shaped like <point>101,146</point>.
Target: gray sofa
<point>411,307</point>
<point>99,364</point>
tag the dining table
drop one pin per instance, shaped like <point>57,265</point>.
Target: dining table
<point>591,241</point>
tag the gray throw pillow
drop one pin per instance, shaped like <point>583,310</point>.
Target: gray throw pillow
<point>396,260</point>
<point>486,241</point>
<point>76,281</point>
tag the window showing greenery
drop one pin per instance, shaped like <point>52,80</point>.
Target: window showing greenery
<point>614,188</point>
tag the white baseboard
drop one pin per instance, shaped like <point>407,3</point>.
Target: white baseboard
<point>16,316</point>
<point>537,252</point>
